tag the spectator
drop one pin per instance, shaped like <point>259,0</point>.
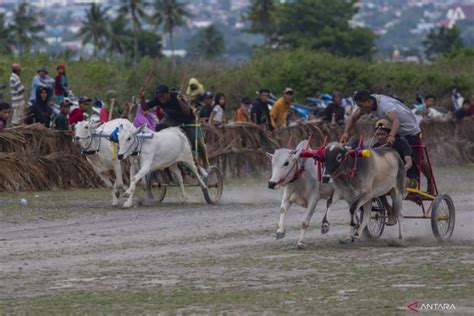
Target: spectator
<point>61,121</point>
<point>40,111</point>
<point>60,84</point>
<point>4,114</point>
<point>17,93</point>
<point>281,108</point>
<point>144,117</point>
<point>194,89</point>
<point>259,113</point>
<point>464,111</point>
<point>77,115</point>
<point>334,112</point>
<point>217,117</point>
<point>41,80</point>
<point>242,114</point>
<point>206,110</point>
<point>111,103</point>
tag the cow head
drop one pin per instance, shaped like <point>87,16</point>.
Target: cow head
<point>284,165</point>
<point>83,132</point>
<point>127,139</point>
<point>334,156</point>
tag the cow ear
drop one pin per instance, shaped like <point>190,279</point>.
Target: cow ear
<point>270,156</point>
<point>140,129</point>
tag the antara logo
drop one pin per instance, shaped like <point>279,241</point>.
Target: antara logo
<point>416,307</point>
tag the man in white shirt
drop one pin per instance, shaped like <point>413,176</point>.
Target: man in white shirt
<point>404,123</point>
<point>17,90</point>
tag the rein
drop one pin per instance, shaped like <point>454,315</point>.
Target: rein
<point>299,171</point>
<point>86,150</point>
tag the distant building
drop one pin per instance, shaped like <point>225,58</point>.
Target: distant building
<point>459,13</point>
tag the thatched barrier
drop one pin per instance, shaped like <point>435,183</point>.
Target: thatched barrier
<point>35,158</point>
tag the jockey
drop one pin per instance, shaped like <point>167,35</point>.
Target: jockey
<point>383,128</point>
<point>177,113</point>
<point>403,121</point>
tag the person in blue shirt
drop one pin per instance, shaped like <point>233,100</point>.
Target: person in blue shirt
<point>42,80</point>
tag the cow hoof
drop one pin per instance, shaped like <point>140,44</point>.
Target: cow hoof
<point>325,228</point>
<point>280,235</point>
<point>347,240</point>
<point>127,204</point>
<point>300,246</point>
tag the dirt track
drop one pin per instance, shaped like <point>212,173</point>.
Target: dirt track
<point>68,251</point>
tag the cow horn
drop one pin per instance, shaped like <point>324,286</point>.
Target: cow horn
<point>290,143</point>
<point>308,143</point>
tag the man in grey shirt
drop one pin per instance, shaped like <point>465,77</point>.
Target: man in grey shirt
<point>404,123</point>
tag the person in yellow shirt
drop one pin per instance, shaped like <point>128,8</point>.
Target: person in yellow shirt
<point>281,108</point>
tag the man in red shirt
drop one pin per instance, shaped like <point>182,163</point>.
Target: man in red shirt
<point>77,115</point>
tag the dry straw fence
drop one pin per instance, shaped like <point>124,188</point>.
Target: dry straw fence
<point>36,158</point>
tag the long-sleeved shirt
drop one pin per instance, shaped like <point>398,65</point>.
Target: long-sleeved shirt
<point>16,91</point>
<point>47,82</point>
<point>279,112</point>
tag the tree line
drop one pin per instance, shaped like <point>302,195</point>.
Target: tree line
<point>135,31</point>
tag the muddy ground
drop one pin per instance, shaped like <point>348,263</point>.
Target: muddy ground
<point>70,252</point>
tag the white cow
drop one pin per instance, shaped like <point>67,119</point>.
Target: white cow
<point>159,150</point>
<point>100,153</point>
<point>299,178</point>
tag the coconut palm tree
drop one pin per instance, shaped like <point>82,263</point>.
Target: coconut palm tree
<point>26,28</point>
<point>136,11</point>
<point>209,41</point>
<point>95,27</point>
<point>6,36</point>
<point>119,39</point>
<point>170,14</point>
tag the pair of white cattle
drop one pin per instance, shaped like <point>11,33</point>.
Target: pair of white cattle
<point>146,150</point>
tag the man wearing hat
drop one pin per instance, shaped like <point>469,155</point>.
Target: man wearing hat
<point>281,108</point>
<point>41,80</point>
<point>17,90</point>
<point>177,112</point>
<point>77,115</point>
<point>383,128</point>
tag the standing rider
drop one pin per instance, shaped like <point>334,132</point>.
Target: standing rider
<point>404,123</point>
<point>177,113</point>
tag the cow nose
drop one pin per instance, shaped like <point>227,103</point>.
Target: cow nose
<point>271,184</point>
<point>120,157</point>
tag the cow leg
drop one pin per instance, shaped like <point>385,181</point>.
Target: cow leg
<point>366,213</point>
<point>145,169</point>
<point>353,231</point>
<point>174,169</point>
<point>314,199</point>
<point>284,207</point>
<point>330,202</point>
<point>397,198</point>
<point>117,184</point>
<point>194,170</point>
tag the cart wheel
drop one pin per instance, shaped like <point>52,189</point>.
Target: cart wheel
<point>443,217</point>
<point>376,223</point>
<point>215,185</point>
<point>156,185</point>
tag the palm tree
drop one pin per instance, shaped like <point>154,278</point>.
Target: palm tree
<point>6,36</point>
<point>209,41</point>
<point>95,27</point>
<point>119,37</point>
<point>171,14</point>
<point>25,28</point>
<point>262,17</point>
<point>135,9</point>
